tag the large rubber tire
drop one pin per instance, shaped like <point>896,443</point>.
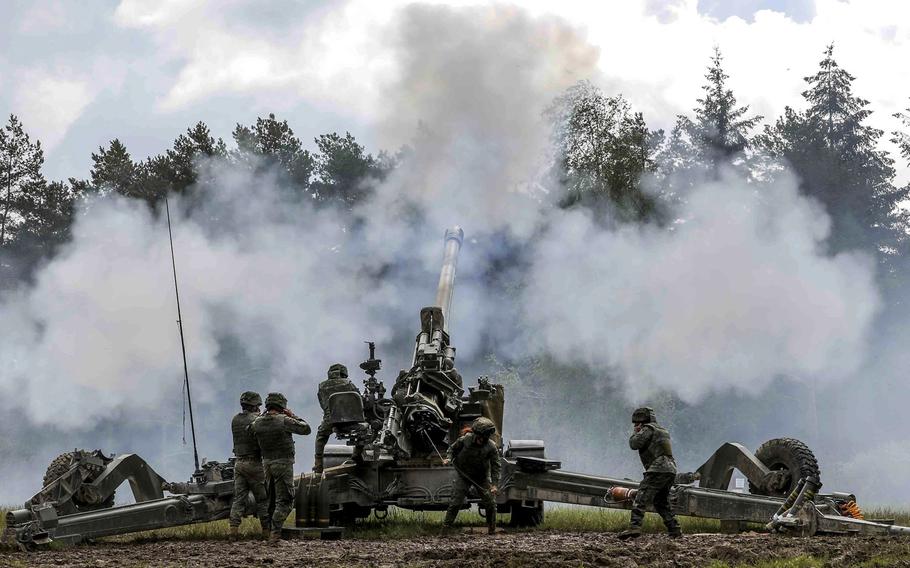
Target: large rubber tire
<point>82,500</point>
<point>792,458</point>
<point>524,517</point>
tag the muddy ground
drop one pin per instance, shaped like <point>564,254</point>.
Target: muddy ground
<point>540,548</point>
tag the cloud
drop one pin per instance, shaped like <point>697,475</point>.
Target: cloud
<point>340,56</point>
<point>49,103</point>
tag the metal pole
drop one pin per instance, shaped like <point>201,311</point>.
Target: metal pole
<point>186,372</point>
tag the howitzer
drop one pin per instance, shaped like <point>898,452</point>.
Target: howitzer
<point>403,438</point>
<point>428,397</point>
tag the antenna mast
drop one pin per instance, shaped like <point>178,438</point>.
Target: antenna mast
<point>186,373</point>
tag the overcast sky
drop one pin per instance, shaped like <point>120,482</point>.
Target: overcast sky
<point>81,73</point>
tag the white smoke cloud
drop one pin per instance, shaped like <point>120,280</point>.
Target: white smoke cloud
<point>739,293</point>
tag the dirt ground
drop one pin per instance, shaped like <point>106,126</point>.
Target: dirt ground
<point>540,548</point>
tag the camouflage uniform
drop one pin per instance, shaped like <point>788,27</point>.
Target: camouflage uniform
<point>274,431</point>
<point>476,465</point>
<point>249,476</point>
<point>337,381</point>
<point>656,452</point>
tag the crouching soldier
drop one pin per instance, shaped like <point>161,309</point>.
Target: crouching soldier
<point>248,474</point>
<point>476,462</point>
<point>337,381</point>
<point>274,432</point>
<point>656,453</point>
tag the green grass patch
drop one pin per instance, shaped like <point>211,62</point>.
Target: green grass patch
<point>797,562</point>
<point>403,523</point>
<point>899,516</point>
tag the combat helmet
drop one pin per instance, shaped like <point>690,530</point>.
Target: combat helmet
<point>250,398</point>
<point>483,427</point>
<point>644,415</point>
<point>276,399</point>
<point>338,371</point>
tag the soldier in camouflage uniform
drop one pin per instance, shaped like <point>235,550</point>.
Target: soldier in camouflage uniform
<point>248,474</point>
<point>274,431</point>
<point>656,452</point>
<point>337,381</point>
<point>476,461</point>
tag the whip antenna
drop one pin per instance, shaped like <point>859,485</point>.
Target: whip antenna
<point>186,373</point>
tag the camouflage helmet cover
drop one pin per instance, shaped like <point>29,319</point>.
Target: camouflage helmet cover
<point>644,415</point>
<point>483,427</point>
<point>251,398</point>
<point>338,371</point>
<point>276,399</point>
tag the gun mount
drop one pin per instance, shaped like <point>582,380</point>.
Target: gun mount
<point>403,437</point>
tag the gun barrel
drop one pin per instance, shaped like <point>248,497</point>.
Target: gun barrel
<point>453,240</point>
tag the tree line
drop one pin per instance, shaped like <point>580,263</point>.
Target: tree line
<point>607,159</point>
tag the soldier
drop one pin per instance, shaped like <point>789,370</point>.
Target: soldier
<point>248,474</point>
<point>476,461</point>
<point>274,431</point>
<point>337,381</point>
<point>653,445</point>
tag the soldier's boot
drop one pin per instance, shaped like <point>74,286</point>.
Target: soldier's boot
<point>673,529</point>
<point>266,529</point>
<point>275,536</point>
<point>317,464</point>
<point>633,531</point>
<point>491,521</point>
<point>448,523</point>
<point>235,533</point>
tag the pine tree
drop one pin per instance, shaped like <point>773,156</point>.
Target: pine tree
<point>721,129</point>
<point>49,215</point>
<point>836,156</point>
<point>182,164</point>
<point>901,138</point>
<point>114,170</point>
<point>20,173</point>
<point>270,144</point>
<point>342,168</point>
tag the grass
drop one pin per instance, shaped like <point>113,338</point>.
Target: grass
<point>402,523</point>
<point>885,561</point>
<point>796,562</point>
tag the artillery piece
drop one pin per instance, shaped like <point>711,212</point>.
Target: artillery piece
<point>403,438</point>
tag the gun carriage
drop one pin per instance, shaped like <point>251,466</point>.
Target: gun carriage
<point>404,437</point>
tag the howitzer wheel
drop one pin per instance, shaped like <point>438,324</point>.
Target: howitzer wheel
<point>85,498</point>
<point>789,460</point>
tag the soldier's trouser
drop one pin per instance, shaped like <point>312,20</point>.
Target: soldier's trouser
<point>654,490</point>
<point>249,477</point>
<point>279,483</point>
<point>460,487</point>
<point>322,438</point>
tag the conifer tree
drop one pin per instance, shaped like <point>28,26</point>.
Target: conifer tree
<point>271,143</point>
<point>835,154</point>
<point>720,130</point>
<point>342,169</point>
<point>182,163</point>
<point>113,170</point>
<point>20,173</point>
